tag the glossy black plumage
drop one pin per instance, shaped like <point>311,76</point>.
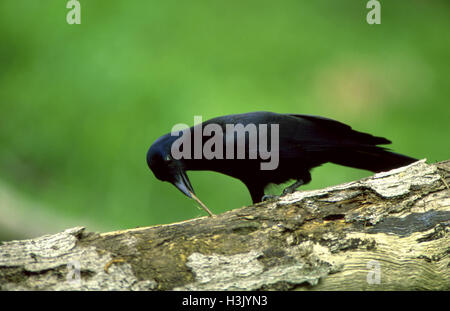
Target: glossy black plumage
<point>305,142</point>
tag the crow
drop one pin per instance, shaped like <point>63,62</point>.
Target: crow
<point>262,148</point>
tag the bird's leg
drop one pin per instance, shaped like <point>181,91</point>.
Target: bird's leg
<point>293,187</point>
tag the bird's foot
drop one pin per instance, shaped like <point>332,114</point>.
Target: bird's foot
<point>288,190</point>
<point>268,197</point>
<point>292,188</point>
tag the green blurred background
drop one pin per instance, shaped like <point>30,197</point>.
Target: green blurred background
<point>81,104</point>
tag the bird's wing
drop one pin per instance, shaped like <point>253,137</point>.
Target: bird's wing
<point>298,132</point>
<point>329,128</point>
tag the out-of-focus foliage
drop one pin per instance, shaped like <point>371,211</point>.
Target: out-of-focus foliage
<point>81,104</point>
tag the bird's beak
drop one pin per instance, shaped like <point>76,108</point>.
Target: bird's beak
<point>183,184</point>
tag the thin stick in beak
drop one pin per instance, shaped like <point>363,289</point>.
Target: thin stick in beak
<point>201,204</point>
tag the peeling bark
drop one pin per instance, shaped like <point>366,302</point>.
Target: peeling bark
<point>386,232</point>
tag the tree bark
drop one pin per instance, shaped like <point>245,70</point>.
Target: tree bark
<point>386,232</point>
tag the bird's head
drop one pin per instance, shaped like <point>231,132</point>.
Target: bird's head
<point>165,167</point>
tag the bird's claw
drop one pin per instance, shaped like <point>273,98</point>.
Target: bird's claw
<point>292,188</point>
<point>268,197</point>
<point>287,191</point>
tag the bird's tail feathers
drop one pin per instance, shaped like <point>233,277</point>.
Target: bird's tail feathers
<point>372,158</point>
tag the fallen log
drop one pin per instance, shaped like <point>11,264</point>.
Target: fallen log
<point>386,232</point>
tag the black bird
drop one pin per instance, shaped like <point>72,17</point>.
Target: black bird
<point>295,143</point>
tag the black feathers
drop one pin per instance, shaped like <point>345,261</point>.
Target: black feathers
<point>259,148</point>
